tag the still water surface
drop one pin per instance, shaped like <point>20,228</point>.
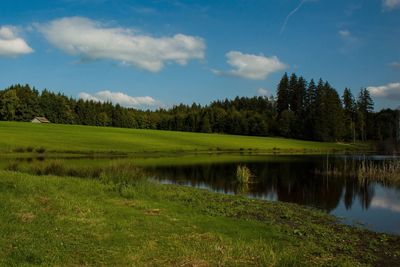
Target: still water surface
<point>301,180</point>
<point>297,179</point>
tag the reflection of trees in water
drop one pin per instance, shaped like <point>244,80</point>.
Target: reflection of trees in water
<point>290,181</point>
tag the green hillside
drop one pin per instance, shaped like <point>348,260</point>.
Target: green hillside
<point>19,136</point>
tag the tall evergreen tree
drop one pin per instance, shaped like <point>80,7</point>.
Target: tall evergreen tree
<point>282,102</point>
<point>365,106</point>
<point>319,113</point>
<point>350,112</point>
<point>334,114</point>
<point>310,110</point>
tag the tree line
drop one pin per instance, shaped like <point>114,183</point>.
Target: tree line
<point>304,110</point>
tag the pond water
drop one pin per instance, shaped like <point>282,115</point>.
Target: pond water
<point>305,180</point>
<point>302,180</point>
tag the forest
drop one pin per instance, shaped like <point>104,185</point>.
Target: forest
<point>303,110</point>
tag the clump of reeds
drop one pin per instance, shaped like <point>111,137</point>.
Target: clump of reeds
<point>388,171</point>
<point>367,170</point>
<point>243,174</point>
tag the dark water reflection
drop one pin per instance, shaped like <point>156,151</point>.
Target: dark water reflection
<point>294,179</point>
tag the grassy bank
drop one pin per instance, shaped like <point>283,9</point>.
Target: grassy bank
<point>50,220</point>
<point>33,138</point>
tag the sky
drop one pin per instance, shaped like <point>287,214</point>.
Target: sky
<point>158,53</point>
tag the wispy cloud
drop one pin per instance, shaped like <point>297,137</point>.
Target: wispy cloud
<point>395,65</point>
<point>344,34</point>
<point>294,11</point>
<point>93,40</point>
<point>389,91</point>
<point>350,41</point>
<point>253,67</point>
<point>390,4</point>
<point>262,92</point>
<point>351,8</point>
<point>119,98</point>
<point>387,201</point>
<point>11,44</point>
<point>144,10</point>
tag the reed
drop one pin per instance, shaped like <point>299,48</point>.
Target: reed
<point>243,174</point>
<point>387,172</point>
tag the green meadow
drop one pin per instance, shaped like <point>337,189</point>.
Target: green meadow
<point>53,221</point>
<point>102,210</point>
<point>18,136</point>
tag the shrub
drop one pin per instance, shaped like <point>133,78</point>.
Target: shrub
<point>40,150</point>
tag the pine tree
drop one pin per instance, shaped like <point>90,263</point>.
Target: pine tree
<point>319,113</point>
<point>310,109</point>
<point>349,107</point>
<point>298,95</point>
<point>334,114</point>
<point>282,93</point>
<point>365,106</point>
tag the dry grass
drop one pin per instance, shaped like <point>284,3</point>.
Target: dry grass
<point>27,217</point>
<point>387,172</point>
<point>243,174</point>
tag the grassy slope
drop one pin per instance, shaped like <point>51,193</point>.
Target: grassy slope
<point>61,138</point>
<point>67,221</point>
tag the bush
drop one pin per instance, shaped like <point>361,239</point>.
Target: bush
<point>40,150</point>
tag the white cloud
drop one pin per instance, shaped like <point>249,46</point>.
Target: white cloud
<point>388,201</point>
<point>395,65</point>
<point>349,40</point>
<point>344,33</point>
<point>91,39</point>
<point>119,98</point>
<point>390,91</point>
<point>262,91</point>
<point>391,4</point>
<point>251,67</point>
<point>12,45</point>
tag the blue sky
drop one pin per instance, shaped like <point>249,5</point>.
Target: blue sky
<point>163,52</point>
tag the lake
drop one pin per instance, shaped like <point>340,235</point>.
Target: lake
<point>308,180</point>
<point>301,180</point>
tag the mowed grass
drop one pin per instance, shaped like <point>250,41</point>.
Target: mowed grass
<point>64,221</point>
<point>74,138</point>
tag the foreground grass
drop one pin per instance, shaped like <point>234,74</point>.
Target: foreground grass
<point>50,220</point>
<point>73,138</point>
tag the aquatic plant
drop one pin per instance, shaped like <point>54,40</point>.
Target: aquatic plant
<point>388,171</point>
<point>243,174</point>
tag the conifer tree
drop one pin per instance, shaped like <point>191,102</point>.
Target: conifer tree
<point>282,102</point>
<point>365,106</point>
<point>349,106</point>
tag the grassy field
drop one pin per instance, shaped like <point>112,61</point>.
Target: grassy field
<point>18,136</point>
<point>49,220</point>
<point>110,214</point>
